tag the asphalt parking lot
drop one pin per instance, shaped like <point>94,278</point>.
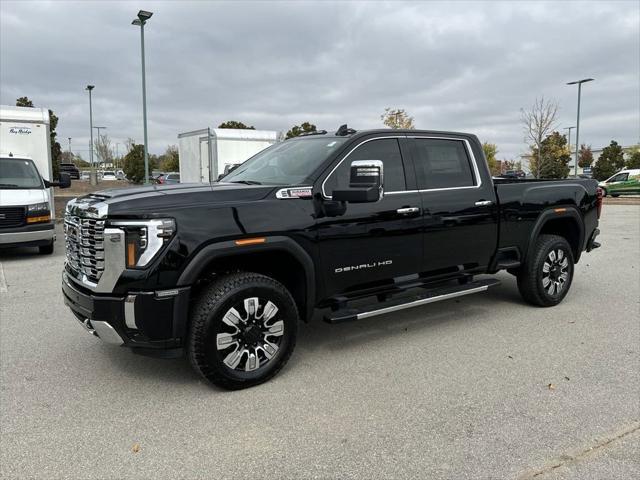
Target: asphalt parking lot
<point>483,387</point>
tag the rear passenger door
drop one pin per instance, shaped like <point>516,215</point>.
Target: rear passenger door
<point>459,206</point>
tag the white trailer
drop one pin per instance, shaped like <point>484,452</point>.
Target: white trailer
<point>26,194</point>
<point>205,153</point>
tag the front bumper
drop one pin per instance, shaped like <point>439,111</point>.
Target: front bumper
<point>29,235</point>
<point>146,321</point>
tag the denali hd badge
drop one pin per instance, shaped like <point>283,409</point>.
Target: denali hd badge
<point>350,268</point>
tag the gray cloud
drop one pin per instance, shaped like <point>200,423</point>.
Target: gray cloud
<point>452,65</point>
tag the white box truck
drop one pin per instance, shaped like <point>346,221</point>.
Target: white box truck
<point>26,195</point>
<point>204,154</point>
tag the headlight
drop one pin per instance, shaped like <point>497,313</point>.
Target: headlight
<point>38,212</point>
<point>145,238</point>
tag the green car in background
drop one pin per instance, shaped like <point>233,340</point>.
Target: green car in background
<point>625,182</point>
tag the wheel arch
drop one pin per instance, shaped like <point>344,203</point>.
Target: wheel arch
<point>268,258</point>
<point>566,222</point>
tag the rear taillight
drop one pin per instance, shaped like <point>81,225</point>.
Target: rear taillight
<point>598,201</point>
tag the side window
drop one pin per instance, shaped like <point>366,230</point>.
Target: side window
<point>620,178</point>
<point>442,164</point>
<point>387,150</point>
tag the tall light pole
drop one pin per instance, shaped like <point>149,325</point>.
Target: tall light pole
<point>569,137</point>
<point>94,180</point>
<point>579,82</point>
<point>143,16</point>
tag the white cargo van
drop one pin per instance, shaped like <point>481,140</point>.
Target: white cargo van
<point>26,195</point>
<point>206,154</point>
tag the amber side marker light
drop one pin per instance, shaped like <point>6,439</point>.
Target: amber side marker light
<point>131,254</point>
<point>559,210</point>
<point>250,241</point>
<point>41,218</point>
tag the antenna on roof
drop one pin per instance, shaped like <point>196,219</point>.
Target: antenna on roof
<point>11,154</point>
<point>344,131</point>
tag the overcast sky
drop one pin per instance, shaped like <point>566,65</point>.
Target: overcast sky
<point>453,66</point>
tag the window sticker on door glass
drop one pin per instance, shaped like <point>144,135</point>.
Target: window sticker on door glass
<point>331,144</point>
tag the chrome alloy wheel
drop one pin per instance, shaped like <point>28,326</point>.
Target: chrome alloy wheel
<point>255,334</point>
<point>555,272</point>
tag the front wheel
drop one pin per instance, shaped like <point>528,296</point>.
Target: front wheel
<point>546,276</point>
<point>243,330</point>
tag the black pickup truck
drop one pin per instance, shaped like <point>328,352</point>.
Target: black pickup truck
<point>349,225</point>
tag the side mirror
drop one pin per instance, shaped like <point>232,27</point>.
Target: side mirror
<point>64,181</point>
<point>365,185</point>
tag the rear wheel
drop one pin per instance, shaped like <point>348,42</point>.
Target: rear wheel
<point>243,330</point>
<point>546,276</point>
<point>615,195</point>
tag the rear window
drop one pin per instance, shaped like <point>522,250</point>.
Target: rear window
<point>442,164</point>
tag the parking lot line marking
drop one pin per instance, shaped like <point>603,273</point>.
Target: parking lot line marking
<point>3,282</point>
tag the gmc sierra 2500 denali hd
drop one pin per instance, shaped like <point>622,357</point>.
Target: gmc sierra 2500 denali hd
<point>355,223</point>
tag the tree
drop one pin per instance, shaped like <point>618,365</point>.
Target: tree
<point>611,161</point>
<point>305,127</point>
<point>585,156</point>
<point>104,151</point>
<point>234,124</point>
<point>397,119</point>
<point>512,165</point>
<point>134,163</point>
<point>490,151</point>
<point>24,102</point>
<point>634,158</point>
<point>170,160</point>
<point>56,149</point>
<point>538,123</point>
<point>552,159</point>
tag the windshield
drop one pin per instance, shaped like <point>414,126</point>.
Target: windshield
<point>18,173</point>
<point>288,163</point>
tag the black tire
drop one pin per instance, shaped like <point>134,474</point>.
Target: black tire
<point>46,249</point>
<point>212,321</point>
<point>615,195</point>
<point>535,283</point>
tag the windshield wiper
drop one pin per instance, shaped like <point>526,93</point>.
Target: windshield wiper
<point>247,182</point>
<point>8,185</point>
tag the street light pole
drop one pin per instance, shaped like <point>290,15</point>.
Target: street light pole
<point>579,82</point>
<point>93,169</point>
<point>143,16</point>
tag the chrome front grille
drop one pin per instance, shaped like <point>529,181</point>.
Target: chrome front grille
<point>84,242</point>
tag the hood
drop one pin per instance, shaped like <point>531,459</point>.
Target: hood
<point>20,197</point>
<point>158,198</point>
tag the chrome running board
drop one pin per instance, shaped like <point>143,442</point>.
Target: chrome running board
<point>431,296</point>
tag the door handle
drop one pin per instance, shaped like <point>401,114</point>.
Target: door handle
<point>484,203</point>
<point>407,210</point>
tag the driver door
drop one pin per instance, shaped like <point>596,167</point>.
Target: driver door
<point>366,244</point>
